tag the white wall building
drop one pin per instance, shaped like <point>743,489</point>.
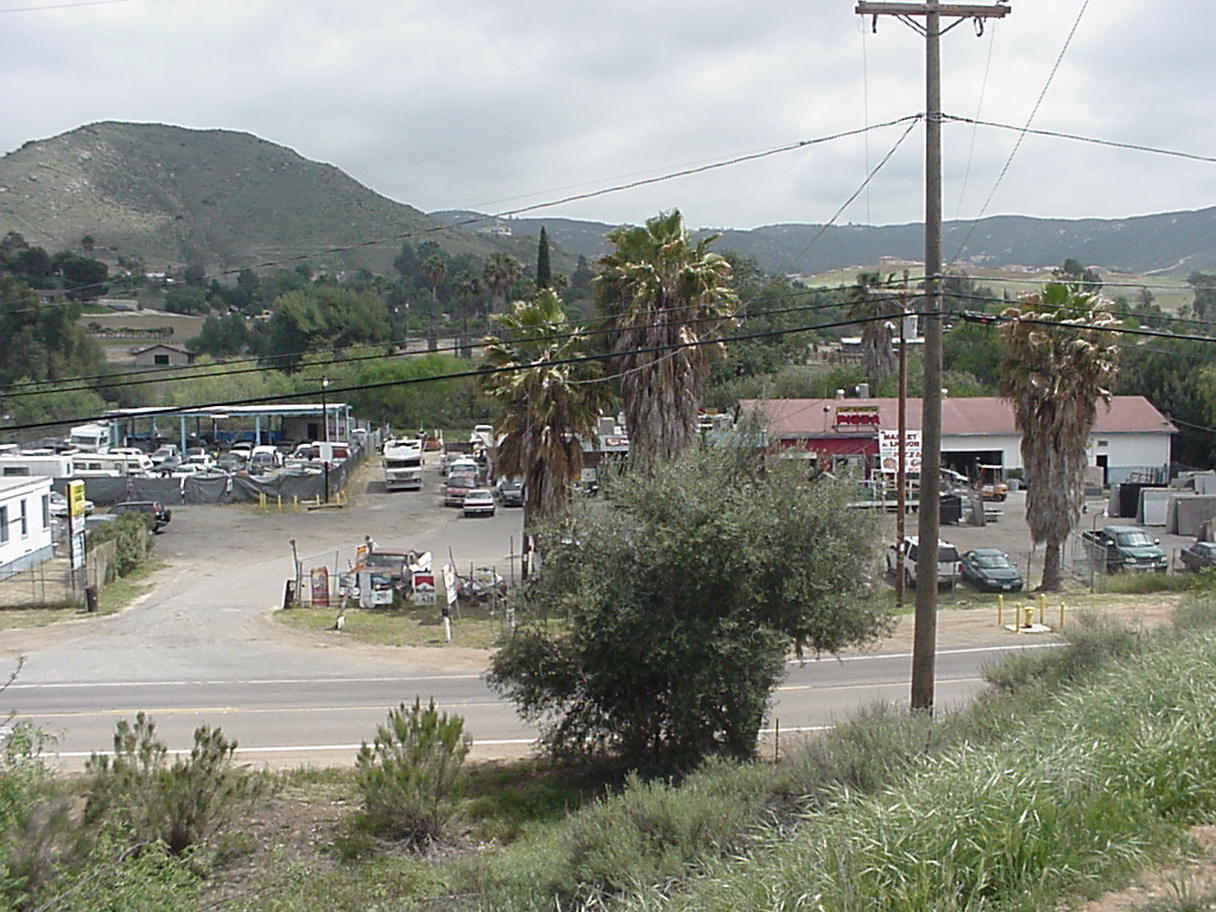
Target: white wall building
<point>1130,436</point>
<point>25,523</point>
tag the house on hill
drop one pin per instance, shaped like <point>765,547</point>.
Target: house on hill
<point>1129,437</point>
<point>163,354</point>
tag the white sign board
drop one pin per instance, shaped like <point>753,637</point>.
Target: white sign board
<point>888,450</point>
<point>449,583</point>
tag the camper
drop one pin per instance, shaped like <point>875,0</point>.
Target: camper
<point>107,465</point>
<point>36,462</point>
<point>402,460</point>
<point>89,438</point>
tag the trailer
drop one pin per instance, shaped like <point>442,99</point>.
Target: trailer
<point>402,461</point>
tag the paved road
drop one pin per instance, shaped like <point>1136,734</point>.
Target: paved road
<point>203,649</point>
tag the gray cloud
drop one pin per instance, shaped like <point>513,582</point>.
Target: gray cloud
<point>454,105</point>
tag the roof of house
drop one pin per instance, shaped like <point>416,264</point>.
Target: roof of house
<point>177,348</point>
<point>978,415</point>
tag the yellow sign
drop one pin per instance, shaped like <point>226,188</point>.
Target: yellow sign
<point>76,498</point>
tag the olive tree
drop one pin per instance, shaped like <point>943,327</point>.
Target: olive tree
<point>664,611</point>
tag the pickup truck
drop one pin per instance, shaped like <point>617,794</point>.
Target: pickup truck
<point>1125,548</point>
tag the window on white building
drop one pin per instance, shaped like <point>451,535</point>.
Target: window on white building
<point>3,525</point>
<point>46,511</point>
<point>25,519</point>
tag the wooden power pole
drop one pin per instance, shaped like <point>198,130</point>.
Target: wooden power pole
<point>924,637</point>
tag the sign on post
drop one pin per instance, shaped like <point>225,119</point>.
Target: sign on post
<point>449,583</point>
<point>424,588</point>
<point>319,582</point>
<point>888,450</point>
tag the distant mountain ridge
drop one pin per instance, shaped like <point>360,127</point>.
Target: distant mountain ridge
<point>224,200</point>
<point>1170,242</point>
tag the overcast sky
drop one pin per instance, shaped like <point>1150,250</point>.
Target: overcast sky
<point>492,105</point>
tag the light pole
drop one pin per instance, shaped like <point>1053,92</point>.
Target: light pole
<point>325,436</point>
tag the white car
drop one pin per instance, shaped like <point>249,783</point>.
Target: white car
<point>479,502</point>
<point>902,558</point>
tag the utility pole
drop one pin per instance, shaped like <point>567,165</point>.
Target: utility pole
<point>924,637</point>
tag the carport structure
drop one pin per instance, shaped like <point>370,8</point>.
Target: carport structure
<point>331,420</point>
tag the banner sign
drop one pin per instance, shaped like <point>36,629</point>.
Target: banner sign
<point>888,450</point>
<point>319,581</point>
<point>857,416</point>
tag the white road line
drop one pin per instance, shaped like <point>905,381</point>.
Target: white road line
<point>252,682</point>
<point>908,655</point>
<point>292,749</point>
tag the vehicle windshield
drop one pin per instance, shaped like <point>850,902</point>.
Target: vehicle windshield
<point>947,554</point>
<point>992,561</point>
<point>384,559</point>
<point>462,482</point>
<point>1135,539</point>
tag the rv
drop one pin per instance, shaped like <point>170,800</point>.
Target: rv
<point>41,462</point>
<point>90,465</point>
<point>89,438</point>
<point>402,458</point>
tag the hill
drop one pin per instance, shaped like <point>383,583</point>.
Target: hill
<point>223,199</point>
<point>1171,242</point>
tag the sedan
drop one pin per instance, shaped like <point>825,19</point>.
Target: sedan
<point>1198,555</point>
<point>479,502</point>
<point>991,568</point>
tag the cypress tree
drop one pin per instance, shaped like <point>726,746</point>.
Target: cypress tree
<point>544,278</point>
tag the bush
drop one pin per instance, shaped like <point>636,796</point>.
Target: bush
<point>411,773</point>
<point>133,534</point>
<point>179,805</point>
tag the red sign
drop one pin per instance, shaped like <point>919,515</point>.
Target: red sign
<point>319,582</point>
<point>857,415</point>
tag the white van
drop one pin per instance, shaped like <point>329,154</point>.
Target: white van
<point>89,437</point>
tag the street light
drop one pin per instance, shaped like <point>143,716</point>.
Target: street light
<point>324,410</point>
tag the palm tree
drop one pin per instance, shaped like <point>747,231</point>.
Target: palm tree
<point>877,353</point>
<point>663,292</point>
<point>547,408</point>
<point>1054,377</point>
<point>499,274</point>
<point>435,268</point>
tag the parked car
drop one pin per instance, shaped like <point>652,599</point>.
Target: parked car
<point>510,492</point>
<point>1198,555</point>
<point>94,522</point>
<point>59,505</point>
<point>455,490</point>
<point>160,514</point>
<point>991,568</point>
<point>1125,549</point>
<point>901,558</point>
<point>163,453</point>
<point>478,502</point>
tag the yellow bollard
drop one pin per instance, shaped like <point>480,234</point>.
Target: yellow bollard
<point>1029,614</point>
<point>1042,606</point>
<point>1061,615</point>
<point>279,498</point>
<point>262,500</point>
<point>295,502</point>
<point>1000,611</point>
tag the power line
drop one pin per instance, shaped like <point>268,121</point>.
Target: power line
<point>576,197</point>
<point>455,375</point>
<point>1022,134</point>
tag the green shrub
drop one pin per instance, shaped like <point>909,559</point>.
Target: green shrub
<point>180,805</point>
<point>408,777</point>
<point>1091,642</point>
<point>133,534</point>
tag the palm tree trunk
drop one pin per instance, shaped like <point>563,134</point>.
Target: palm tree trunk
<point>1051,567</point>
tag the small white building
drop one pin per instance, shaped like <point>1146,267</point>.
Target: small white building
<point>25,523</point>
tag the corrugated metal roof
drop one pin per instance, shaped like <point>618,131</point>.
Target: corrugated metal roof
<point>979,415</point>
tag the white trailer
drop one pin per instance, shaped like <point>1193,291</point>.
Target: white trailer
<point>20,465</point>
<point>402,460</point>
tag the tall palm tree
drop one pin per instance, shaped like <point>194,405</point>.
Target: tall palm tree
<point>877,352</point>
<point>662,290</point>
<point>501,271</point>
<point>1054,376</point>
<point>435,268</point>
<point>547,408</point>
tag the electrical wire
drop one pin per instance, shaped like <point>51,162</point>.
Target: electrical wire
<point>571,198</point>
<point>1022,133</point>
<point>979,105</point>
<point>157,411</point>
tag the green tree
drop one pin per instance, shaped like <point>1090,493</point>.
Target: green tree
<point>1054,376</point>
<point>222,336</point>
<point>42,341</point>
<point>580,281</point>
<point>322,316</point>
<point>402,399</point>
<point>866,302</point>
<point>680,595</point>
<point>544,272</point>
<point>499,274</point>
<point>186,299</point>
<point>663,292</point>
<point>435,268</point>
<point>43,403</point>
<point>1204,286</point>
<point>87,243</point>
<point>83,277</point>
<point>548,409</point>
<point>1075,272</point>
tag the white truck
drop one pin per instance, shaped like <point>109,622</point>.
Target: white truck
<point>402,460</point>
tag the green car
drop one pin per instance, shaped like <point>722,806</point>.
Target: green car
<point>991,569</point>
